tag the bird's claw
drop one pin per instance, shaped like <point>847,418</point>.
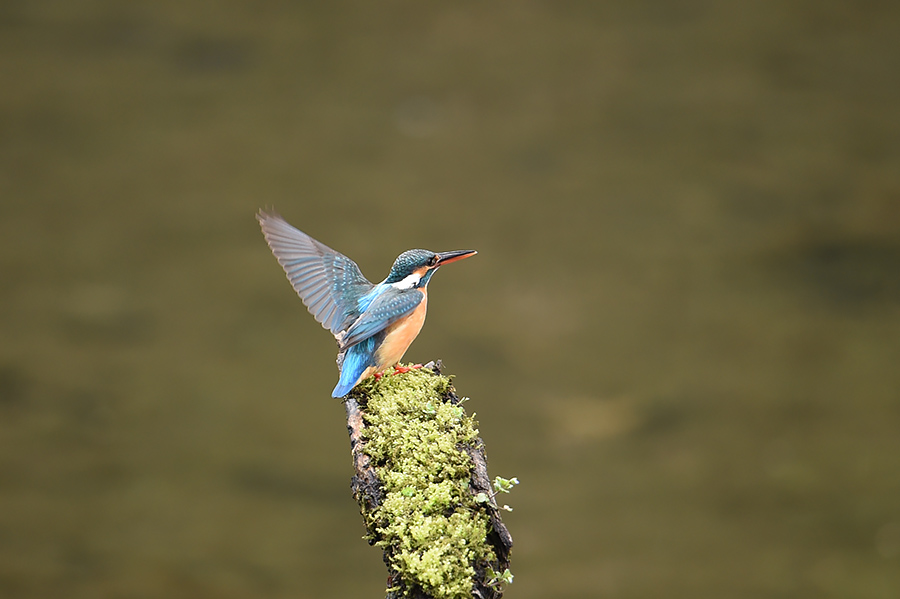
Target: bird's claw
<point>404,369</point>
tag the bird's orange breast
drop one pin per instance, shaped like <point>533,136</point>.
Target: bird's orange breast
<point>400,336</point>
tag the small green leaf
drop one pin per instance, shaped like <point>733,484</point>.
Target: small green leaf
<point>505,485</point>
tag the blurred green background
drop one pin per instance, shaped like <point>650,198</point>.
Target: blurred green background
<point>681,331</point>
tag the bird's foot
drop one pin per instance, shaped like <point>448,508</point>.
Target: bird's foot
<point>378,375</point>
<point>403,369</point>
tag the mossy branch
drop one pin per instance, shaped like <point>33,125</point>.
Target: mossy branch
<point>419,465</point>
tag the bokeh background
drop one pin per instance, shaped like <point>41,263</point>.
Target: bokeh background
<point>680,333</point>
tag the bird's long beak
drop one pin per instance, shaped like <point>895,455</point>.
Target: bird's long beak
<point>448,257</point>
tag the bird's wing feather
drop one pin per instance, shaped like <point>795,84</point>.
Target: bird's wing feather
<point>387,308</point>
<point>328,282</point>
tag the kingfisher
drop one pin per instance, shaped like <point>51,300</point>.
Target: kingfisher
<point>373,324</point>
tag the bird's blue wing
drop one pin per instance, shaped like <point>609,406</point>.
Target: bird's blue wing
<point>329,283</point>
<point>388,307</point>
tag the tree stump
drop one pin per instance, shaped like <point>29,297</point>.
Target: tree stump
<point>422,486</point>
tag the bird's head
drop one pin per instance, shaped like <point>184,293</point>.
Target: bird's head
<point>413,268</point>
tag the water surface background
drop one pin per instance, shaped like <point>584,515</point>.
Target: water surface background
<point>680,333</point>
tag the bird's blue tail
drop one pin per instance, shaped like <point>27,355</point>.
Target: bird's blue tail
<point>356,360</point>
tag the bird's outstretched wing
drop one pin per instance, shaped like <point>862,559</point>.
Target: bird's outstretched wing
<point>387,308</point>
<point>328,282</point>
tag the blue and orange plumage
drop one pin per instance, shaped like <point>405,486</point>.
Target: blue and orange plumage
<point>373,324</point>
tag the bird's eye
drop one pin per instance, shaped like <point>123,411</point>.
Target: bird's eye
<point>433,261</point>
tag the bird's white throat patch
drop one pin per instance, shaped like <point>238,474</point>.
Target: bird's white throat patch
<point>409,282</point>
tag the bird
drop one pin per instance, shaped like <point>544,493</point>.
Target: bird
<point>373,324</point>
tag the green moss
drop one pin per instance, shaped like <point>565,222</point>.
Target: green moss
<point>429,521</point>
